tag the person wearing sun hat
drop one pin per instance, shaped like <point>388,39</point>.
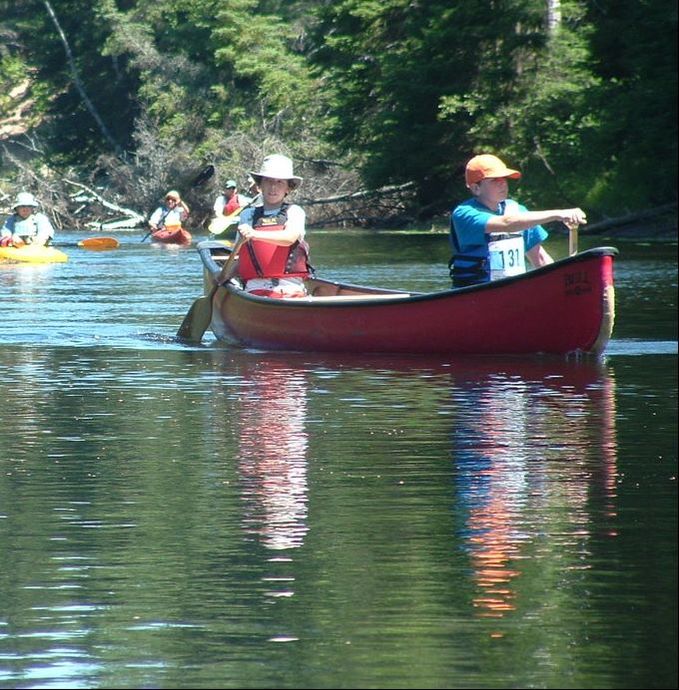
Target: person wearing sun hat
<point>275,259</point>
<point>171,213</point>
<point>26,225</point>
<point>490,234</point>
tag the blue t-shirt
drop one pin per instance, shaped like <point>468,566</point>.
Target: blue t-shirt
<point>468,226</point>
<point>469,240</point>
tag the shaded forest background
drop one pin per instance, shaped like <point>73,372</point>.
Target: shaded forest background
<point>105,106</point>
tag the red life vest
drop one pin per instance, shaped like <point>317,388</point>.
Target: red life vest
<point>232,205</point>
<point>267,260</point>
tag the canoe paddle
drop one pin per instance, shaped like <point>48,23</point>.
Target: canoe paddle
<point>198,318</point>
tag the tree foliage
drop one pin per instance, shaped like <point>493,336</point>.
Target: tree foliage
<point>393,91</point>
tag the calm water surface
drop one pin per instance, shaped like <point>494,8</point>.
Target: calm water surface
<point>178,516</point>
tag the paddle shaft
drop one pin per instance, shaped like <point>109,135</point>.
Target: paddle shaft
<point>161,225</point>
<point>572,238</point>
<point>230,266</point>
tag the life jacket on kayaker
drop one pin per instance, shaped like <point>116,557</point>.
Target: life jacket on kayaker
<point>232,205</point>
<point>34,229</point>
<point>267,260</point>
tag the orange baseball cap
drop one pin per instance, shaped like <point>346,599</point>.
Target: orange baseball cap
<point>487,165</point>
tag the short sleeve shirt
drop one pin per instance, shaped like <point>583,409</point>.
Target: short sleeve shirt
<point>469,220</point>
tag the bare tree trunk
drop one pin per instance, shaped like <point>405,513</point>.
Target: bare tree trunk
<point>78,82</point>
<point>553,15</point>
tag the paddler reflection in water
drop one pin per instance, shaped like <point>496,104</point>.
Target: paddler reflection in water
<point>275,260</point>
<point>272,451</point>
<point>26,225</point>
<point>491,235</point>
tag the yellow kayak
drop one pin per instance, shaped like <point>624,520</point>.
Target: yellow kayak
<point>32,254</point>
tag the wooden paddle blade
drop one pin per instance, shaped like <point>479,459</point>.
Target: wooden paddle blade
<point>197,320</point>
<point>99,243</point>
<point>221,223</point>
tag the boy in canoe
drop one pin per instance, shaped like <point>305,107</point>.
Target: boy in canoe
<point>491,234</point>
<point>274,261</point>
<point>26,225</point>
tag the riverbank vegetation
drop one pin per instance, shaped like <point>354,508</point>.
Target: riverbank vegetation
<point>105,106</point>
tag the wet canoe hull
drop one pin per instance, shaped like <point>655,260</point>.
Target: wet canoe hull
<point>566,307</point>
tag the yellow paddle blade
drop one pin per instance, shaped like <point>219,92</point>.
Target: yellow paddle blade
<point>221,223</point>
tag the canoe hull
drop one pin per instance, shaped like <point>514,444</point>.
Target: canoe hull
<point>172,236</point>
<point>32,254</point>
<point>566,307</point>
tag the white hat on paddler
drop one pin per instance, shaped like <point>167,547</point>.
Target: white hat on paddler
<point>25,199</point>
<point>277,167</point>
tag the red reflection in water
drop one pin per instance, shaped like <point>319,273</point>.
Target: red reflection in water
<point>272,453</point>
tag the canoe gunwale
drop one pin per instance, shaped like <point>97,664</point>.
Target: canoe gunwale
<point>378,296</point>
<point>571,303</point>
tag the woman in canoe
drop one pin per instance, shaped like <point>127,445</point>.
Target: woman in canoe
<point>171,214</point>
<point>26,225</point>
<point>274,261</point>
<point>490,234</point>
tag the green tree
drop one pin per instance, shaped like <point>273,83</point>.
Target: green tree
<point>635,55</point>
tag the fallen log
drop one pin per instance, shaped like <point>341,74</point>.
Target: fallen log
<point>631,218</point>
<point>132,219</point>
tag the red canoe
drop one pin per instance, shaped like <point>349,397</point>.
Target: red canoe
<point>172,235</point>
<point>566,307</point>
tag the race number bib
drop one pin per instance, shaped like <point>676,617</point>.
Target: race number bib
<point>506,256</point>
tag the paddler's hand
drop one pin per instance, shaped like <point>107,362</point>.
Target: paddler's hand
<point>247,232</point>
<point>572,217</point>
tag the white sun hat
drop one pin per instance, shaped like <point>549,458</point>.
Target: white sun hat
<point>277,167</point>
<point>25,199</point>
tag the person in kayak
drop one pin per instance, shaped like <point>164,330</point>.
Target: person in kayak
<point>170,214</point>
<point>26,225</point>
<point>491,235</point>
<point>230,200</point>
<point>274,261</point>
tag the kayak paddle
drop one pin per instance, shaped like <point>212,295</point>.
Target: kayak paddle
<point>219,224</point>
<point>93,243</point>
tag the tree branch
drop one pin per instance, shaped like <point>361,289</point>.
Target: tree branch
<point>133,215</point>
<point>78,82</point>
